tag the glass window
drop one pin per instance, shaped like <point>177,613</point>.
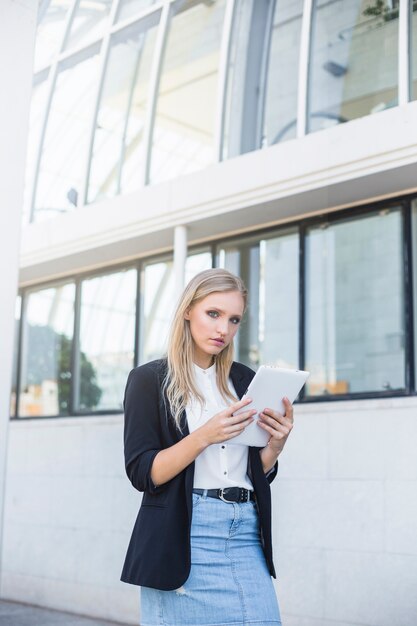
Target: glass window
<point>158,302</point>
<point>50,32</point>
<point>63,160</point>
<point>89,22</point>
<point>280,120</point>
<point>355,305</point>
<point>107,340</point>
<point>37,112</point>
<point>45,373</point>
<point>183,135</point>
<point>354,60</point>
<point>118,158</point>
<point>243,93</point>
<point>269,268</point>
<point>17,316</point>
<point>413,49</point>
<point>129,8</point>
<point>414,270</point>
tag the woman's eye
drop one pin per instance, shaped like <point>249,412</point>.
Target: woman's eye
<point>214,313</point>
<point>235,320</point>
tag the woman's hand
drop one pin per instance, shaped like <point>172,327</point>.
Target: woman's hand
<point>277,425</point>
<point>224,425</point>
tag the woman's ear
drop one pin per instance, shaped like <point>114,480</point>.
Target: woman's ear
<point>187,314</point>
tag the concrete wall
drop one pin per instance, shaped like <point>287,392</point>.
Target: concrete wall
<point>345,516</point>
<point>17,39</point>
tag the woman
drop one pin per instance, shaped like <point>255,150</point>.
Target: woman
<point>201,546</point>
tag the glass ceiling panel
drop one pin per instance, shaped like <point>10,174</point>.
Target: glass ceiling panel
<point>89,22</point>
<point>50,32</point>
<point>117,162</point>
<point>353,61</point>
<point>63,161</point>
<point>183,136</point>
<point>37,111</point>
<point>129,8</point>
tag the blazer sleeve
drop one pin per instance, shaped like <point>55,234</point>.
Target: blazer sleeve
<point>142,430</point>
<point>272,473</point>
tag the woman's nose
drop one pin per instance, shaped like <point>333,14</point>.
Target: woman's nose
<point>222,329</point>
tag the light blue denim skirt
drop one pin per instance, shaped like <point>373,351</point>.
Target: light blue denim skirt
<point>229,582</point>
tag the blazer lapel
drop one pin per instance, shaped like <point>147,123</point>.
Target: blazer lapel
<point>239,380</point>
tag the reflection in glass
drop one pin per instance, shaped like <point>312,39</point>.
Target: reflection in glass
<point>354,61</point>
<point>117,162</point>
<point>235,133</point>
<point>89,22</point>
<point>129,8</point>
<point>37,112</point>
<point>183,134</point>
<point>413,49</point>
<point>50,31</point>
<point>63,160</point>
<point>17,317</point>
<point>280,121</point>
<point>158,302</point>
<point>355,305</point>
<point>269,269</point>
<point>45,374</point>
<point>107,339</point>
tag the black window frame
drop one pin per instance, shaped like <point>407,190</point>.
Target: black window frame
<point>402,203</point>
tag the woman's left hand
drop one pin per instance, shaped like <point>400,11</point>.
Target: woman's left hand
<point>277,425</point>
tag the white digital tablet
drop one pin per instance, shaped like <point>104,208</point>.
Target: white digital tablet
<point>267,388</point>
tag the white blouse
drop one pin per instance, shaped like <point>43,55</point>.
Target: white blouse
<point>220,464</point>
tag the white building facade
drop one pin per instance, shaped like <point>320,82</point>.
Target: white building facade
<point>278,140</point>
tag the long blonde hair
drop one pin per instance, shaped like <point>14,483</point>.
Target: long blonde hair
<point>179,383</point>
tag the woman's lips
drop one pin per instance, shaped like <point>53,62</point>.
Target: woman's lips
<point>218,342</point>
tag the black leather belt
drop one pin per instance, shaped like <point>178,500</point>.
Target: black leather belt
<point>229,494</point>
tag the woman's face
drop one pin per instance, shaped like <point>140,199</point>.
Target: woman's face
<point>214,321</point>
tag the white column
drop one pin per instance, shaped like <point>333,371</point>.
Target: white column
<point>17,39</point>
<point>180,258</point>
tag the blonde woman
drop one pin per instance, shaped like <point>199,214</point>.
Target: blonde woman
<point>201,545</point>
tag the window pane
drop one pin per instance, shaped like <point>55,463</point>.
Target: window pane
<point>117,163</point>
<point>354,305</point>
<point>45,375</point>
<point>246,58</point>
<point>50,31</point>
<point>63,161</point>
<point>107,339</point>
<point>158,302</point>
<point>280,122</point>
<point>89,22</point>
<point>128,8</point>
<point>354,59</point>
<point>413,48</point>
<point>185,118</point>
<point>269,268</point>
<point>17,317</point>
<point>37,112</point>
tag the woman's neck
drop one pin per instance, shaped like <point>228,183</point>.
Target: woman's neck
<point>203,363</point>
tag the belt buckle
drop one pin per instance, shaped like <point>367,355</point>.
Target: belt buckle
<point>221,495</point>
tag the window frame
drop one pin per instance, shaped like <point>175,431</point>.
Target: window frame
<point>213,245</point>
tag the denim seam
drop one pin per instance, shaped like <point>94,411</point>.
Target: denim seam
<point>232,532</point>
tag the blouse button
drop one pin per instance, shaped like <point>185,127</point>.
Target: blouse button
<point>223,447</point>
<point>224,473</point>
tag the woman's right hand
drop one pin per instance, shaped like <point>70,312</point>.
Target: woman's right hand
<point>224,425</point>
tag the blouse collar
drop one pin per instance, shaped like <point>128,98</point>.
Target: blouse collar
<point>210,371</point>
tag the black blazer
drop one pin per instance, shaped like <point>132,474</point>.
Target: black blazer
<point>159,553</point>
